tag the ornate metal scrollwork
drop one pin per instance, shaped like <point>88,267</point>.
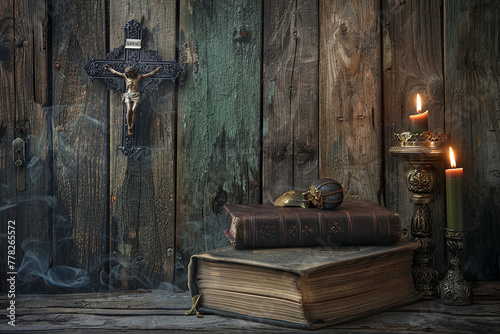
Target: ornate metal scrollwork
<point>426,245</point>
<point>133,29</point>
<point>453,288</point>
<point>422,151</point>
<point>143,60</point>
<point>421,179</point>
<point>425,278</point>
<point>128,148</point>
<point>427,135</point>
<point>420,222</point>
<point>406,137</point>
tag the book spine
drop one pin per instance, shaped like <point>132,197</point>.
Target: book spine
<point>289,229</point>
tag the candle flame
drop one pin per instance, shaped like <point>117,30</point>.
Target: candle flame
<point>453,163</point>
<point>419,104</point>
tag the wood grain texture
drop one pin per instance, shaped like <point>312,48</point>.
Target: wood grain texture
<point>290,97</point>
<point>412,64</point>
<point>32,216</point>
<point>164,310</point>
<point>350,97</point>
<point>7,133</point>
<point>219,121</point>
<point>472,57</point>
<point>80,145</point>
<point>143,186</point>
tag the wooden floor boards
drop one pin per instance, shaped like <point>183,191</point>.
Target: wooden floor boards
<point>133,311</point>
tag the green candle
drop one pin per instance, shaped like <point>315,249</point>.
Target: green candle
<point>454,196</point>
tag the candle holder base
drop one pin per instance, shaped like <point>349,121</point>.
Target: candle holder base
<point>422,151</point>
<point>453,288</point>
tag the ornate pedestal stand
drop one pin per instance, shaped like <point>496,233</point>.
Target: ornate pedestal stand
<point>453,289</point>
<point>422,152</point>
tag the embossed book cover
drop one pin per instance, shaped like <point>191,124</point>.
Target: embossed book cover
<point>354,222</point>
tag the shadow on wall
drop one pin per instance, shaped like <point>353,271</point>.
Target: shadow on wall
<point>196,237</point>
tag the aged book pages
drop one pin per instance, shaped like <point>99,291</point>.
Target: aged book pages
<point>301,286</point>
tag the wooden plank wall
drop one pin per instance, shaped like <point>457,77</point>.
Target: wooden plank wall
<point>7,133</point>
<point>23,77</point>
<point>274,95</point>
<point>218,155</point>
<point>412,63</point>
<point>350,95</point>
<point>142,189</point>
<point>290,96</point>
<point>472,116</point>
<point>80,139</point>
<point>31,112</point>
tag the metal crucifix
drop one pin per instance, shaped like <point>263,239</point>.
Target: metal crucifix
<point>133,63</point>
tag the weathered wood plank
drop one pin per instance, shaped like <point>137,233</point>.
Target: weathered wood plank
<point>472,56</point>
<point>143,186</point>
<point>80,145</point>
<point>290,97</point>
<point>133,300</point>
<point>383,323</point>
<point>32,216</point>
<point>142,323</point>
<point>350,97</point>
<point>163,310</point>
<point>412,64</point>
<point>219,121</point>
<point>7,133</point>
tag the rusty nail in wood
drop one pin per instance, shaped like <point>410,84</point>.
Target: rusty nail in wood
<point>57,65</point>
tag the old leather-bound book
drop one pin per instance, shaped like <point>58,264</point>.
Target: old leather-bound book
<point>354,222</point>
<point>302,287</point>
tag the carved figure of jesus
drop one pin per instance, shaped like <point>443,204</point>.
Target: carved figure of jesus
<point>132,96</point>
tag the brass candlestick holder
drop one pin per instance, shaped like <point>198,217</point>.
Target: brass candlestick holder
<point>422,151</point>
<point>453,289</point>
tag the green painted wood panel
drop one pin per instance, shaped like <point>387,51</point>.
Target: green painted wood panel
<point>290,97</point>
<point>143,186</point>
<point>218,155</point>
<point>350,113</point>
<point>472,60</point>
<point>412,63</point>
<point>80,128</point>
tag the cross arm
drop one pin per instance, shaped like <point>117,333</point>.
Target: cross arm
<point>166,69</point>
<point>96,68</point>
<point>153,72</point>
<point>109,68</point>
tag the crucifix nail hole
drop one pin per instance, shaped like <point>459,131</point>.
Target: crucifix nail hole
<point>133,63</point>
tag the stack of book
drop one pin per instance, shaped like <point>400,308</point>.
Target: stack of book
<point>306,267</point>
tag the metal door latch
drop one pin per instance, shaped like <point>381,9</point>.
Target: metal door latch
<point>19,158</point>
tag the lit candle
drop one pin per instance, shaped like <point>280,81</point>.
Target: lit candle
<point>454,196</point>
<point>418,123</point>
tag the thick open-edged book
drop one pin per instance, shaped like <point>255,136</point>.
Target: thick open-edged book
<point>354,222</point>
<point>303,287</point>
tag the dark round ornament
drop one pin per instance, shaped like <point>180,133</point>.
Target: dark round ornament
<point>326,194</point>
